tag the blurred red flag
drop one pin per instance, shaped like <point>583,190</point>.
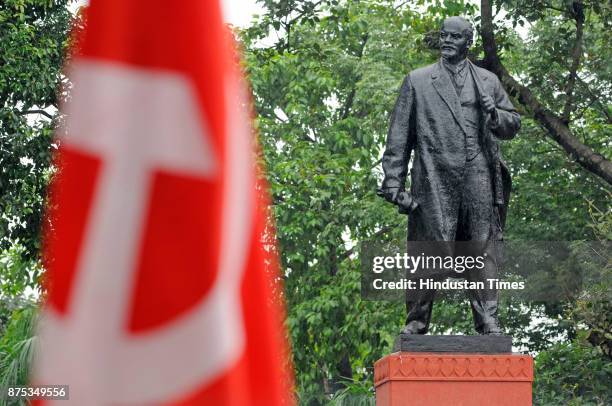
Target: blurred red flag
<point>158,285</point>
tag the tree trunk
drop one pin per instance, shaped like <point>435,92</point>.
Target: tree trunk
<point>557,129</point>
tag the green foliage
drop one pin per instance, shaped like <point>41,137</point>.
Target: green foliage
<point>572,374</point>
<point>544,61</point>
<point>325,75</point>
<point>33,38</point>
<point>18,272</point>
<point>355,394</point>
<point>17,349</point>
<point>592,311</point>
<point>551,194</point>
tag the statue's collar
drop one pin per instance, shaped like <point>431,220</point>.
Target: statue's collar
<point>454,69</point>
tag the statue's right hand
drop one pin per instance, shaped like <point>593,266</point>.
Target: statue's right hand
<point>401,198</point>
<point>406,202</point>
<point>389,194</point>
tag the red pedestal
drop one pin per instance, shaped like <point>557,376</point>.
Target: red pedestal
<point>436,379</point>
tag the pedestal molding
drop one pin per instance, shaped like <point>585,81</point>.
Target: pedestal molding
<point>455,367</point>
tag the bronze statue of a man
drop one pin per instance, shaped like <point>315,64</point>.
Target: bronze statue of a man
<point>449,116</point>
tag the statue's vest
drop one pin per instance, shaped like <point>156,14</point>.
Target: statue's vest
<point>470,109</point>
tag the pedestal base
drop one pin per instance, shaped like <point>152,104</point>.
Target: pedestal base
<point>437,379</point>
<point>453,344</point>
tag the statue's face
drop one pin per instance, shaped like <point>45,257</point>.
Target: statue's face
<point>454,44</point>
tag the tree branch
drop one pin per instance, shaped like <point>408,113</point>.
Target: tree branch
<point>578,14</point>
<point>349,252</point>
<point>551,7</point>
<point>581,113</point>
<point>348,104</point>
<point>595,98</point>
<point>37,111</point>
<point>288,24</point>
<point>400,5</point>
<point>557,129</point>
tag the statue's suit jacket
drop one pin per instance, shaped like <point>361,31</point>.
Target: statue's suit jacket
<point>427,122</point>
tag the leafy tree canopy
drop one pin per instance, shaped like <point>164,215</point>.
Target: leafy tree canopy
<point>325,75</point>
<point>33,39</point>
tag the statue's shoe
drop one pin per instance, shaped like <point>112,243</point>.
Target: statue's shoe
<point>414,327</point>
<point>492,329</point>
<point>407,331</point>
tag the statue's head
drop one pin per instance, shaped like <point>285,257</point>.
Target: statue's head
<point>456,36</point>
